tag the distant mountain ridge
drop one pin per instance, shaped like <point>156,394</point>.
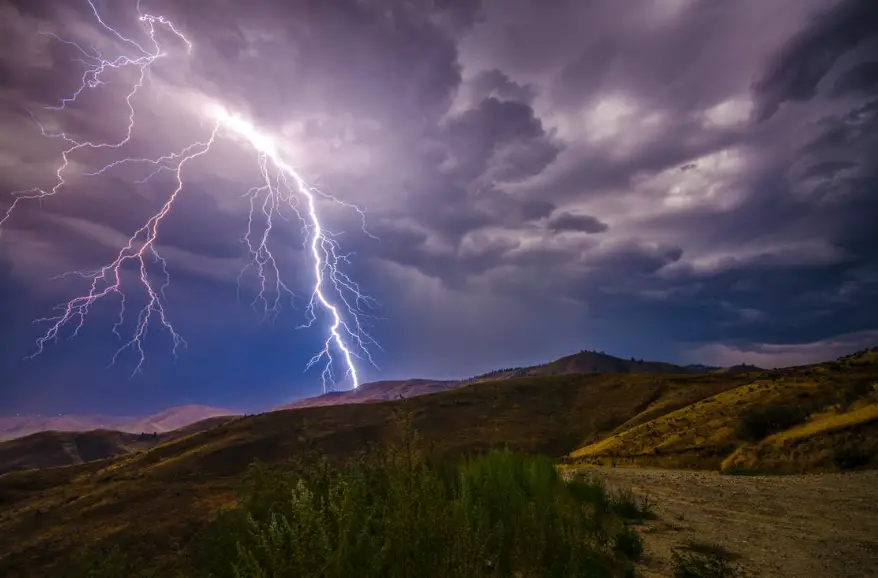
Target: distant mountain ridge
<point>589,362</point>
<point>374,391</point>
<point>178,417</point>
<point>170,419</point>
<point>51,448</point>
<point>582,362</point>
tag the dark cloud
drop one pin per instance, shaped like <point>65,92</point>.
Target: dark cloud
<point>478,133</point>
<point>494,84</point>
<point>581,223</point>
<point>473,133</point>
<point>862,77</point>
<point>808,57</point>
<point>535,209</point>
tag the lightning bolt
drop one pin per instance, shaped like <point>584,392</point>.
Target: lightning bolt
<point>282,187</point>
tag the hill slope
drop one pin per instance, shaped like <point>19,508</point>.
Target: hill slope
<point>62,448</point>
<point>50,449</point>
<point>689,420</point>
<point>594,362</point>
<point>582,362</point>
<point>375,391</point>
<point>817,418</point>
<point>175,418</point>
<point>12,427</point>
<point>179,485</point>
<point>589,362</point>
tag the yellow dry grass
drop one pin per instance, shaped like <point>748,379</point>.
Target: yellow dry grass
<point>837,404</point>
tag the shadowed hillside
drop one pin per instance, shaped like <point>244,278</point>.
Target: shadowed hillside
<point>54,448</point>
<point>12,427</point>
<point>589,362</point>
<point>594,362</point>
<point>170,419</point>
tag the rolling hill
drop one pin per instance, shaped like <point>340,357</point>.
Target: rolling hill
<point>47,514</point>
<point>375,391</point>
<point>12,427</point>
<point>19,426</point>
<point>57,447</point>
<point>175,418</point>
<point>594,362</point>
<point>815,418</point>
<point>672,419</point>
<point>589,362</point>
<point>62,448</point>
<point>582,362</point>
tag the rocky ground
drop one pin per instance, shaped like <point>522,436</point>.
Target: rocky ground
<point>808,526</point>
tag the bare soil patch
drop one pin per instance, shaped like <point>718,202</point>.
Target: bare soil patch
<point>809,526</point>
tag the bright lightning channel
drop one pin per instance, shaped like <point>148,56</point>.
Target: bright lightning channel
<point>333,292</point>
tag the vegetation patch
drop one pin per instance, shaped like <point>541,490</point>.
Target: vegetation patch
<point>400,511</point>
<point>706,563</point>
<point>807,419</point>
<point>759,422</point>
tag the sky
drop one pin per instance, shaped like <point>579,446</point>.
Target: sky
<point>680,180</point>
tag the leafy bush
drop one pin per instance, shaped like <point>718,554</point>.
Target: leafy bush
<point>856,389</point>
<point>631,507</point>
<point>399,513</point>
<point>762,421</point>
<point>629,543</point>
<point>850,456</point>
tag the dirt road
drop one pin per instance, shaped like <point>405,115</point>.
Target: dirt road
<point>811,526</point>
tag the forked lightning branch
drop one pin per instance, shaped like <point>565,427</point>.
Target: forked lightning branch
<point>334,297</point>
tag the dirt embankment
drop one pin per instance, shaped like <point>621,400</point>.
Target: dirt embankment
<point>808,526</point>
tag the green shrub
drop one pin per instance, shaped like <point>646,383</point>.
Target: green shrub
<point>856,389</point>
<point>850,456</point>
<point>762,421</point>
<point>629,543</point>
<point>396,513</point>
<point>631,507</point>
<point>402,512</point>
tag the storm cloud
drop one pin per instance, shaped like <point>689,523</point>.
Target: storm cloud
<point>689,180</point>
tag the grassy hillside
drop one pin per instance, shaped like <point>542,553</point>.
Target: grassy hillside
<point>13,427</point>
<point>816,418</point>
<point>156,502</point>
<point>62,448</point>
<point>50,449</point>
